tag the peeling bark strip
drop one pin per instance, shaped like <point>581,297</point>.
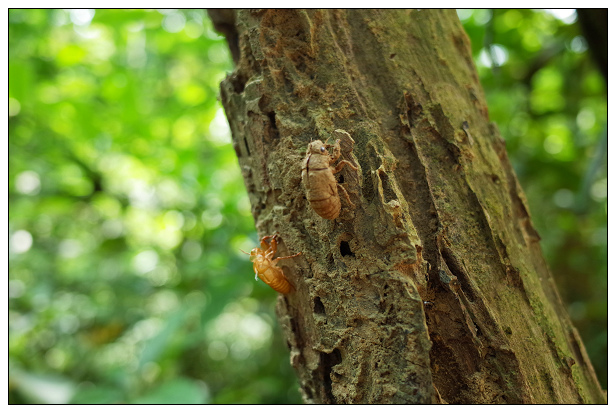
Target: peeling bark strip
<point>434,288</point>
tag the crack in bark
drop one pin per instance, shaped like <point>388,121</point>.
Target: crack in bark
<point>465,306</point>
<point>457,269</point>
<point>326,362</point>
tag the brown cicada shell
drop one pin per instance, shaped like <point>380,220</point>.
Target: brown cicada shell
<point>319,181</point>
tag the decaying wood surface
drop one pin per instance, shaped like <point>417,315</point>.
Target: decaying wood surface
<point>433,289</point>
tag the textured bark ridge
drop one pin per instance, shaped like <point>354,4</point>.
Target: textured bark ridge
<point>434,288</point>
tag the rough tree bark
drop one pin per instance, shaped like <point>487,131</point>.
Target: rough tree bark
<point>434,288</point>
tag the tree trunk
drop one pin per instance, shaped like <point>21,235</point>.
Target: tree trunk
<point>433,289</point>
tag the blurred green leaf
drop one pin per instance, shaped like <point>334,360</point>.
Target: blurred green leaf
<point>42,388</point>
<point>177,391</point>
<point>97,395</point>
<point>155,346</point>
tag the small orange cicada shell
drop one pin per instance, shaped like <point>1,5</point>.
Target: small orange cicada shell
<point>265,265</point>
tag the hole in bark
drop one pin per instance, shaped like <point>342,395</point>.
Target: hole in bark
<point>391,56</point>
<point>307,391</point>
<point>272,120</point>
<point>319,308</point>
<point>336,357</point>
<point>327,361</point>
<point>238,83</point>
<point>345,249</point>
<point>356,322</point>
<point>260,207</point>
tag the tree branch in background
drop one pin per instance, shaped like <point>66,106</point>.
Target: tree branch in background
<point>594,28</point>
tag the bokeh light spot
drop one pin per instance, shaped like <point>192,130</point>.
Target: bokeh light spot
<point>21,241</point>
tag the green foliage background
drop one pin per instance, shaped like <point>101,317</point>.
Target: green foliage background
<point>127,209</point>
